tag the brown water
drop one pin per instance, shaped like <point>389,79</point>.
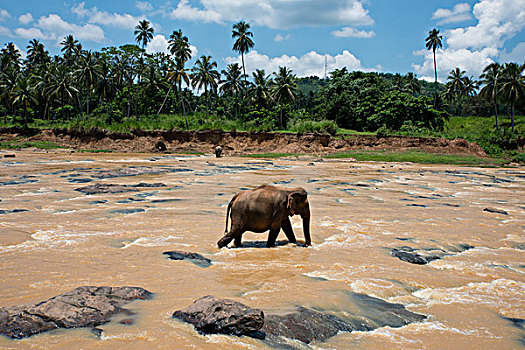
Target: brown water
<point>359,212</point>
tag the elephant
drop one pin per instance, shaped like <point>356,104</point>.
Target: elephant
<point>266,208</point>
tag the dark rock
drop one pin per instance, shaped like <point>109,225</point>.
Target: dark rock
<point>143,184</point>
<point>413,257</point>
<point>82,307</point>
<point>102,201</point>
<point>214,315</point>
<point>10,211</point>
<point>496,211</point>
<point>9,156</point>
<point>195,258</point>
<point>307,325</point>
<point>127,321</point>
<point>105,188</point>
<point>128,211</point>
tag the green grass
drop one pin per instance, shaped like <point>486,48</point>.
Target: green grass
<point>418,157</point>
<point>28,144</point>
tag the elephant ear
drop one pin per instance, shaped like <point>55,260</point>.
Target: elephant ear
<point>293,197</point>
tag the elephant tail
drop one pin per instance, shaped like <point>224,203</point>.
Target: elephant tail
<point>228,213</point>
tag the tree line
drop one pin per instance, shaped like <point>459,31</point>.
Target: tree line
<point>121,83</point>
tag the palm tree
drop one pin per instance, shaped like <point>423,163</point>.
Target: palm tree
<point>8,82</point>
<point>470,87</point>
<point>491,79</point>
<point>11,56</point>
<point>143,33</point>
<point>244,43</point>
<point>260,90</point>
<point>205,74</point>
<point>284,88</point>
<point>24,95</point>
<point>105,86</point>
<point>69,47</point>
<point>176,77</point>
<point>513,86</point>
<point>456,85</point>
<point>412,84</point>
<point>232,83</point>
<point>88,74</point>
<point>36,53</point>
<point>61,84</point>
<point>433,41</point>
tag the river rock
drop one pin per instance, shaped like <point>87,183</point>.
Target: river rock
<point>214,315</point>
<point>424,256</point>
<point>496,211</point>
<point>105,188</point>
<point>81,307</point>
<point>195,258</point>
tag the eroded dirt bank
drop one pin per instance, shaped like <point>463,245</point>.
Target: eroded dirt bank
<point>237,143</point>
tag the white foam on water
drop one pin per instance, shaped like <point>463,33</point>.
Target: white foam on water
<point>155,242</point>
<point>344,240</point>
<point>52,239</point>
<point>504,295</point>
<point>143,335</point>
<point>339,272</point>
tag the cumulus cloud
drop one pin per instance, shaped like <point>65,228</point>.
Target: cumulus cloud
<point>4,15</point>
<point>32,33</point>
<point>517,54</point>
<point>311,63</point>
<point>94,15</point>
<point>472,48</point>
<point>460,12</point>
<point>276,14</point>
<point>25,19</point>
<point>143,6</point>
<point>4,31</point>
<point>54,27</point>
<point>280,37</point>
<point>350,32</point>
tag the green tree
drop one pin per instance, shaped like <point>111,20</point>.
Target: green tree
<point>24,94</point>
<point>284,89</point>
<point>433,42</point>
<point>232,84</point>
<point>69,48</point>
<point>244,42</point>
<point>513,86</point>
<point>491,79</point>
<point>260,90</point>
<point>205,74</point>
<point>36,54</point>
<point>88,74</point>
<point>470,88</point>
<point>177,76</point>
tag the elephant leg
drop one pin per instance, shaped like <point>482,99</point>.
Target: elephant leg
<point>272,237</point>
<point>237,240</point>
<point>288,231</point>
<point>233,234</point>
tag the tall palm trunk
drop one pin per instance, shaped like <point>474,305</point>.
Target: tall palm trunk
<point>435,79</point>
<point>183,107</point>
<point>207,101</point>
<point>163,102</point>
<point>512,116</point>
<point>496,112</point>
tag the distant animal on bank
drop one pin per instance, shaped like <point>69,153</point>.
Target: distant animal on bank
<point>266,208</point>
<point>218,151</point>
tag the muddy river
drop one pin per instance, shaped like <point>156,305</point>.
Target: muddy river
<point>54,238</point>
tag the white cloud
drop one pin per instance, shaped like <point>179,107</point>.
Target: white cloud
<point>350,32</point>
<point>159,43</point>
<point>32,33</point>
<point>4,15</point>
<point>143,6</point>
<point>312,63</point>
<point>280,37</point>
<point>498,20</point>
<point>472,48</point>
<point>277,14</point>
<point>124,21</point>
<point>25,19</point>
<point>473,62</point>
<point>460,13</point>
<point>55,27</point>
<point>4,31</point>
<point>516,55</point>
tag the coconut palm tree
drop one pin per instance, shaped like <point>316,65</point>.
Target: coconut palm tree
<point>470,87</point>
<point>513,86</point>
<point>24,94</point>
<point>244,43</point>
<point>36,54</point>
<point>205,74</point>
<point>491,79</point>
<point>105,86</point>
<point>176,77</point>
<point>88,74</point>
<point>456,85</point>
<point>433,42</point>
<point>260,90</point>
<point>12,56</point>
<point>284,89</point>
<point>69,47</point>
<point>8,82</point>
<point>143,35</point>
<point>232,84</point>
<point>61,84</point>
<point>412,84</point>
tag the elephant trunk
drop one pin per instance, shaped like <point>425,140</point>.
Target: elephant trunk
<point>306,224</point>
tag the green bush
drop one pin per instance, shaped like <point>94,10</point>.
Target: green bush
<point>321,127</point>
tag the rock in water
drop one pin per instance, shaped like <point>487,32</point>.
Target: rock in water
<point>105,188</point>
<point>214,315</point>
<point>496,211</point>
<point>195,258</point>
<point>82,307</point>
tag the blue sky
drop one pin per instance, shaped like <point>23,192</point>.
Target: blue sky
<point>370,35</point>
